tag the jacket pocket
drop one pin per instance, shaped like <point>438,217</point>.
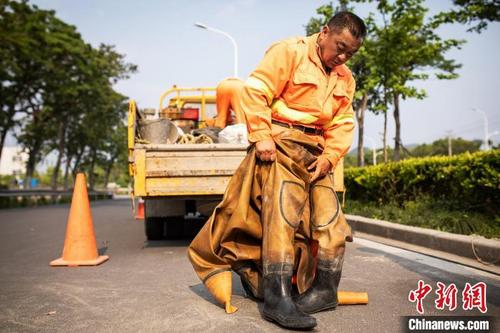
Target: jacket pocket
<point>340,98</point>
<point>305,78</point>
<point>340,92</point>
<point>304,91</point>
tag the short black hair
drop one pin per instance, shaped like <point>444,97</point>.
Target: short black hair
<point>351,21</point>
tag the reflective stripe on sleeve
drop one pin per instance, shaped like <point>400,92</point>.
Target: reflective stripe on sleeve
<point>346,118</point>
<point>261,86</point>
<point>283,110</point>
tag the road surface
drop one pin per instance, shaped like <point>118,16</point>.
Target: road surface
<point>151,287</point>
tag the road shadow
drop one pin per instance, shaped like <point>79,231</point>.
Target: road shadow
<point>167,243</point>
<point>103,249</point>
<point>237,290</point>
<point>178,232</point>
<point>435,274</point>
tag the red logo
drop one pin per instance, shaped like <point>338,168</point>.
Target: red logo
<point>447,296</point>
<point>419,294</point>
<point>474,297</point>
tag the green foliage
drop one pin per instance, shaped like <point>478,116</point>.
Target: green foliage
<point>467,181</point>
<point>440,147</point>
<point>59,90</point>
<point>427,212</point>
<point>479,12</point>
<point>7,181</point>
<point>46,178</point>
<point>401,48</point>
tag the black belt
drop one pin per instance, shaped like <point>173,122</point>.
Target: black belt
<point>305,129</point>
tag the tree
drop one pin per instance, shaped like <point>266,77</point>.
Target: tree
<point>440,147</point>
<point>22,28</point>
<point>57,87</point>
<point>471,11</point>
<point>402,48</point>
<point>362,65</point>
<point>413,51</point>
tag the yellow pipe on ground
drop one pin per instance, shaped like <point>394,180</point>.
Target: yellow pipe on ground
<point>352,297</point>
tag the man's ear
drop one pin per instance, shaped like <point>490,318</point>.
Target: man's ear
<point>325,30</point>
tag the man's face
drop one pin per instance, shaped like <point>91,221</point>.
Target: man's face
<point>336,47</point>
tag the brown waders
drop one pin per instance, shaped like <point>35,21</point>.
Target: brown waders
<point>262,230</point>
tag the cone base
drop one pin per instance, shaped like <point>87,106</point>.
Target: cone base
<point>61,262</point>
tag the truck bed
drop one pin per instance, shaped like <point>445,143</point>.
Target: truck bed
<point>185,170</point>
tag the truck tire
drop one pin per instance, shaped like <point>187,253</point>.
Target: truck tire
<point>154,228</point>
<point>174,227</point>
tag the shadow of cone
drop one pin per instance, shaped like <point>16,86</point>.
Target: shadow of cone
<point>80,248</point>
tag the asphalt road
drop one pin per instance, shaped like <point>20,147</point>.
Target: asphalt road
<point>151,287</point>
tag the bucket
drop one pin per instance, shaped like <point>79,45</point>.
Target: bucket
<point>157,130</point>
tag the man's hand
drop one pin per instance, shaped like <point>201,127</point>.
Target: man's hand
<point>322,166</point>
<point>266,150</point>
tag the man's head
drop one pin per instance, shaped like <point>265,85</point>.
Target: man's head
<point>340,39</point>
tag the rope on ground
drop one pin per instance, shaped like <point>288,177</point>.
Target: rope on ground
<point>477,256</point>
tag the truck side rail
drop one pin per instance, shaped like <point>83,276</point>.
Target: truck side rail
<point>132,115</point>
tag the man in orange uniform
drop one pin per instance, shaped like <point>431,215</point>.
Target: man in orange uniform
<point>303,83</point>
<point>228,96</point>
<point>297,105</point>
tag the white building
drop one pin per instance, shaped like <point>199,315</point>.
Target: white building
<point>13,161</point>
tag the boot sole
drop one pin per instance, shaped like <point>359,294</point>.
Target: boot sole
<point>287,323</point>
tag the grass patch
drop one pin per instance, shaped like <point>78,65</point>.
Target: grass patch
<point>428,213</point>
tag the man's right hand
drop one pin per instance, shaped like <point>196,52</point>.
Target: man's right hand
<point>266,150</point>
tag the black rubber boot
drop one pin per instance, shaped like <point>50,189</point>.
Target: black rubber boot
<point>253,295</point>
<point>279,306</point>
<point>253,292</point>
<point>322,295</point>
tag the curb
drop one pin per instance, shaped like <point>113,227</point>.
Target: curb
<point>444,245</point>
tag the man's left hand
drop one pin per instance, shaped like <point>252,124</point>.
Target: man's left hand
<point>322,166</point>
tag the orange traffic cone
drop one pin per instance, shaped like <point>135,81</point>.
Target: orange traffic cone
<point>140,210</point>
<point>80,247</point>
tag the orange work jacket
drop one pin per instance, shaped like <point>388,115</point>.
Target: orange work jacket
<point>290,84</point>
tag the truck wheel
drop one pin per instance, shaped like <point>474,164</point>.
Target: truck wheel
<point>174,227</point>
<point>154,227</point>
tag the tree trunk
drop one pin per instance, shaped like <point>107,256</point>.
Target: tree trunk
<point>397,138</point>
<point>108,171</point>
<point>91,169</point>
<point>3,135</point>
<point>9,123</point>
<point>62,136</point>
<point>385,137</point>
<point>360,116</point>
<point>31,163</point>
<point>74,170</point>
<point>66,172</point>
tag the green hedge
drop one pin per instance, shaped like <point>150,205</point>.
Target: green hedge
<point>466,181</point>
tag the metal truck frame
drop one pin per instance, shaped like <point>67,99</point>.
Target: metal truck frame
<point>183,182</point>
